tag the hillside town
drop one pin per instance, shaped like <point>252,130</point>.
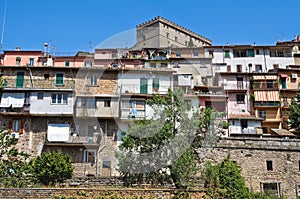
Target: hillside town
<point>80,104</point>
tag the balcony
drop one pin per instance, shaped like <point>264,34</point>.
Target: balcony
<point>39,84</point>
<point>239,130</point>
<point>75,139</point>
<point>133,114</point>
<point>235,86</point>
<point>264,85</point>
<point>15,111</point>
<point>257,103</point>
<point>147,89</point>
<point>210,94</point>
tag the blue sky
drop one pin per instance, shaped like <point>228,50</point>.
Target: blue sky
<point>71,25</point>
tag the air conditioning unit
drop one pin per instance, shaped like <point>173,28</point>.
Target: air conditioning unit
<point>294,76</point>
<point>14,135</point>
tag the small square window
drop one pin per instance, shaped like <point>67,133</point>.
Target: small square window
<point>40,96</point>
<point>240,98</point>
<point>107,103</point>
<point>90,156</point>
<point>67,63</point>
<point>106,164</point>
<point>269,165</point>
<point>46,76</point>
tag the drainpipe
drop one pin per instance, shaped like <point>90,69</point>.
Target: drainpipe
<point>100,149</point>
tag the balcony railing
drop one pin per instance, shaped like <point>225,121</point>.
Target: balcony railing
<point>127,113</point>
<point>264,85</point>
<point>39,84</point>
<point>256,103</point>
<point>239,130</point>
<point>211,93</point>
<point>136,89</point>
<point>235,86</point>
<point>78,139</point>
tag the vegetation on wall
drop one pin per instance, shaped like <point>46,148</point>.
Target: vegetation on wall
<point>52,167</point>
<point>294,115</point>
<point>13,164</point>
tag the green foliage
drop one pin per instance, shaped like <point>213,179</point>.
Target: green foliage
<point>13,166</point>
<point>224,180</point>
<point>294,115</point>
<point>148,145</point>
<point>52,167</point>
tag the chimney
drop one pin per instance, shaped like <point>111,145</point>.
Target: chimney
<point>17,48</point>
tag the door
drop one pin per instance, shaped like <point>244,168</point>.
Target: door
<point>144,86</point>
<point>20,80</point>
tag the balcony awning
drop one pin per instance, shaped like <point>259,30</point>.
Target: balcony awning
<point>16,100</point>
<point>284,75</point>
<point>58,132</point>
<point>266,96</point>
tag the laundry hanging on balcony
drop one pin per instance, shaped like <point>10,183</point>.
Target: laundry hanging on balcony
<point>58,132</point>
<point>264,96</point>
<point>16,100</point>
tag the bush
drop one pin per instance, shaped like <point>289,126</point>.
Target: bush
<point>52,167</point>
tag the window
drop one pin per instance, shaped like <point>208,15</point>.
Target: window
<point>88,63</point>
<point>258,68</point>
<point>59,79</point>
<point>228,68</point>
<point>240,98</point>
<point>167,35</point>
<point>46,76</point>
<point>178,54</point>
<point>271,189</point>
<point>143,86</point>
<point>227,54</point>
<point>86,102</point>
<point>211,53</point>
<point>93,80</point>
<point>40,96</point>
<point>195,53</point>
<point>176,65</point>
<point>59,98</point>
<point>89,156</point>
<point>186,43</point>
<point>20,80</point>
<point>257,52</point>
<point>240,83</point>
<point>67,63</point>
<point>106,164</point>
<point>16,126</point>
<point>244,124</point>
<point>31,61</point>
<point>269,165</point>
<point>270,84</point>
<point>239,68</point>
<point>155,84</point>
<point>107,103</point>
<point>262,114</point>
<point>175,38</point>
<point>275,66</point>
<point>18,61</point>
<point>250,53</point>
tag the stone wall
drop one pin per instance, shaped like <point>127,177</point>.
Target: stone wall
<point>93,193</point>
<point>252,156</point>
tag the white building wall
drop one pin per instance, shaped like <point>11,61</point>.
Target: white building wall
<point>44,106</point>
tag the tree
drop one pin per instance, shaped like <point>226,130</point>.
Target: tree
<point>13,164</point>
<point>294,115</point>
<point>224,180</point>
<point>160,150</point>
<point>52,167</point>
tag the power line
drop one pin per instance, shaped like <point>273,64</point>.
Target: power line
<point>3,25</point>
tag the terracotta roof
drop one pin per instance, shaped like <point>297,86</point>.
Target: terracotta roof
<point>283,132</point>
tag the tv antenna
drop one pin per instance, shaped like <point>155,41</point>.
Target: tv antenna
<point>3,25</point>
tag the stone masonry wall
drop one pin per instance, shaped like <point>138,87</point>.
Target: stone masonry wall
<point>252,154</point>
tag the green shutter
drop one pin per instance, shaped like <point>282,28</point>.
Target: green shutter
<point>20,80</point>
<point>155,84</point>
<point>143,86</point>
<point>59,78</point>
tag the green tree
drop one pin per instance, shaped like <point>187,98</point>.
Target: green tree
<point>13,164</point>
<point>224,180</point>
<point>160,150</point>
<point>294,115</point>
<point>52,167</point>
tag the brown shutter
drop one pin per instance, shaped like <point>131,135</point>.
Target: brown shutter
<point>10,123</point>
<point>21,126</point>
